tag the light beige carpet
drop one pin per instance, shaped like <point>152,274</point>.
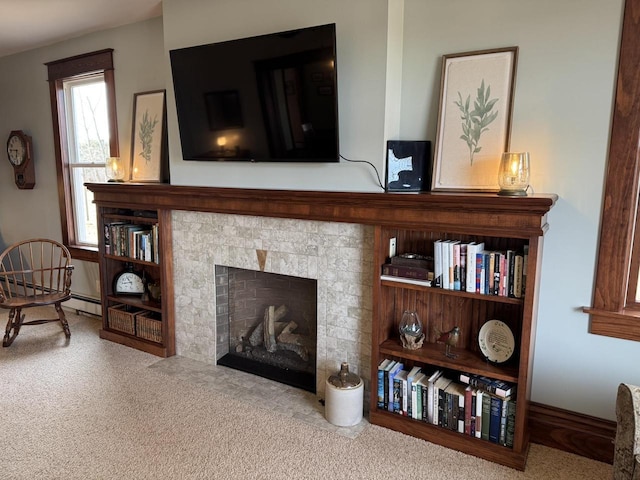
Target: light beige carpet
<point>92,409</point>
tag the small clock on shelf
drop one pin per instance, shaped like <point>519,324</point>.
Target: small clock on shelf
<point>128,282</point>
<point>19,151</point>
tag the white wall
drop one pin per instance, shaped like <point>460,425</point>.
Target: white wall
<point>361,32</point>
<point>562,110</point>
<point>24,97</point>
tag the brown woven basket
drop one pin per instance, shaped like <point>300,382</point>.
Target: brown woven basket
<point>148,328</point>
<point>122,320</point>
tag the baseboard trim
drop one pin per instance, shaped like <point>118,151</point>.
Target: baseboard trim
<point>572,432</point>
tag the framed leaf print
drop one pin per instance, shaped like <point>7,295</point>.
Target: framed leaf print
<point>148,137</point>
<point>474,119</point>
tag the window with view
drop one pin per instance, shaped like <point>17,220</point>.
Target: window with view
<point>82,90</point>
<point>87,125</point>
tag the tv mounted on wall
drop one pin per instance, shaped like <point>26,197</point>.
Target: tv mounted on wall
<point>270,98</point>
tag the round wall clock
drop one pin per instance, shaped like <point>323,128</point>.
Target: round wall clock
<point>19,151</point>
<point>496,341</point>
<point>128,282</point>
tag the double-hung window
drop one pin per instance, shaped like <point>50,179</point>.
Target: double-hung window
<point>85,131</point>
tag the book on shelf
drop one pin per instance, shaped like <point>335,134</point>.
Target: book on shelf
<point>486,416</point>
<point>463,266</point>
<point>503,421</point>
<point>517,276</point>
<point>411,378</point>
<point>496,273</point>
<point>411,260</point>
<point>495,413</point>
<point>381,373</point>
<point>430,394</point>
<point>511,421</point>
<point>454,406</point>
<point>385,380</point>
<point>456,265</point>
<point>437,263</point>
<point>411,281</point>
<point>510,271</point>
<point>495,387</point>
<point>472,250</point>
<point>469,410</point>
<point>393,371</point>
<point>419,402</point>
<point>451,259</point>
<point>478,413</point>
<point>438,399</point>
<point>400,392</point>
<point>445,264</point>
<point>490,279</point>
<point>480,271</point>
<point>407,272</point>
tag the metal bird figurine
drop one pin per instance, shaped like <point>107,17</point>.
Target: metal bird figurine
<point>450,339</point>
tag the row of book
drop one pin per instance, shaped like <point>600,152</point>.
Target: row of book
<point>472,268</point>
<point>474,405</point>
<point>132,240</point>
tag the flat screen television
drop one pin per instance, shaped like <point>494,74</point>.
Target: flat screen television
<point>269,98</point>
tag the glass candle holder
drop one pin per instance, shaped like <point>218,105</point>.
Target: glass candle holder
<point>513,176</point>
<point>411,334</point>
<point>115,169</point>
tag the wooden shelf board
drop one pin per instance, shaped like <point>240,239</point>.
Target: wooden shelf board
<point>123,259</point>
<point>450,439</point>
<point>455,293</point>
<point>130,218</point>
<point>136,302</point>
<point>135,342</point>
<point>466,361</point>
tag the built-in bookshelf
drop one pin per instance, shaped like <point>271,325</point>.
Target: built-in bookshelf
<point>416,221</point>
<point>445,294</point>
<point>134,241</point>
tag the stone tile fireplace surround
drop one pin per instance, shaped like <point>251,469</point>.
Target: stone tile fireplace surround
<point>338,255</point>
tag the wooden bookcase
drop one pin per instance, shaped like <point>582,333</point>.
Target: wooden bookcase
<point>441,310</point>
<point>133,320</point>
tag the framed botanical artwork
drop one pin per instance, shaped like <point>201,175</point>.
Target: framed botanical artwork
<point>408,166</point>
<point>148,137</point>
<point>474,119</point>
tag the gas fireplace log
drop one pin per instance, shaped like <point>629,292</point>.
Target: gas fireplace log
<point>293,338</point>
<point>298,349</point>
<point>271,316</point>
<point>257,336</point>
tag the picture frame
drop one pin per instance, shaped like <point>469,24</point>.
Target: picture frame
<point>148,137</point>
<point>474,119</point>
<point>408,166</point>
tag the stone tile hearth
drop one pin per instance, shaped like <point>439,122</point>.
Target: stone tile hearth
<point>261,392</point>
<point>338,255</point>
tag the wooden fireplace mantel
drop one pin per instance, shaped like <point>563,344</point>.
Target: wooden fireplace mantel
<point>519,217</point>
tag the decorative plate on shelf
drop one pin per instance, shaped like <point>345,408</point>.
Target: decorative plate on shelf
<point>496,341</point>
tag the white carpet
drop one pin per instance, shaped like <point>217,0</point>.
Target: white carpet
<point>93,409</point>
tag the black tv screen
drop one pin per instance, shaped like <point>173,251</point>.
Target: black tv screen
<point>265,98</point>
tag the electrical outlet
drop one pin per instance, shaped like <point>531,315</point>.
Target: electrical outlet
<point>392,247</point>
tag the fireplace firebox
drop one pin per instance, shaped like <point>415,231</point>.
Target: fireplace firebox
<point>272,324</point>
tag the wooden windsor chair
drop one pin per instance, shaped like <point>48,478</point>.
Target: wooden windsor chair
<point>34,273</point>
